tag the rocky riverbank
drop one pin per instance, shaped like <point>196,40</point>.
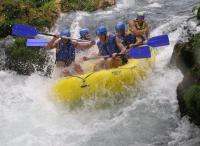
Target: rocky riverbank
<point>186,55</point>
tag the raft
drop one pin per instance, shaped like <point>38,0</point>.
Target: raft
<point>104,82</point>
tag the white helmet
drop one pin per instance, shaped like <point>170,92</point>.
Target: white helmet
<point>140,15</point>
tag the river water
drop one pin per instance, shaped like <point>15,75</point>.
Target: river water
<point>148,116</point>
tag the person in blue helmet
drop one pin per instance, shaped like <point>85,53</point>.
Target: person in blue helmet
<point>84,37</point>
<point>65,52</point>
<point>85,34</point>
<point>111,46</point>
<point>128,40</point>
<point>139,27</point>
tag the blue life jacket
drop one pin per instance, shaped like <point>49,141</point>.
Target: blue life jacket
<point>66,53</point>
<point>109,47</point>
<point>128,39</point>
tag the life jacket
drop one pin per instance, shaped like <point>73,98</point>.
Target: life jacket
<point>109,47</point>
<point>128,39</point>
<point>139,27</point>
<point>66,53</point>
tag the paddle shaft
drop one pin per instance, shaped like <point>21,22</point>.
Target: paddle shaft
<point>64,37</point>
<point>47,34</point>
<point>97,57</point>
<point>106,56</point>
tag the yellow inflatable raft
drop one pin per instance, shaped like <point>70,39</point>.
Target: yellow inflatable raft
<point>98,84</point>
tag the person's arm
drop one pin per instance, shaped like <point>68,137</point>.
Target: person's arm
<point>147,30</point>
<point>96,56</point>
<point>138,42</point>
<point>52,44</point>
<point>84,45</point>
<point>120,46</point>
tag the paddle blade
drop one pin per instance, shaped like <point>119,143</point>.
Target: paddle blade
<point>140,52</point>
<point>36,42</point>
<point>158,41</point>
<point>24,30</point>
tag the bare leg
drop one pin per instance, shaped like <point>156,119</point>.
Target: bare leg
<point>60,64</point>
<point>61,69</point>
<point>66,72</point>
<point>108,64</point>
<point>100,65</point>
<point>114,63</point>
<point>78,68</point>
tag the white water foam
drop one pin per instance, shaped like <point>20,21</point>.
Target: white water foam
<point>155,5</point>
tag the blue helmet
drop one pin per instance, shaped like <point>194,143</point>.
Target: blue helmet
<point>120,27</point>
<point>65,33</point>
<point>101,30</point>
<point>84,31</point>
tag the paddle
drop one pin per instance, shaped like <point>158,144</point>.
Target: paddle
<point>140,52</point>
<point>28,31</point>
<point>136,53</point>
<point>158,41</point>
<point>43,42</point>
<point>96,57</point>
<point>36,42</point>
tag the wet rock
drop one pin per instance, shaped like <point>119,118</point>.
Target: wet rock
<point>106,3</point>
<point>198,14</point>
<point>186,56</point>
<point>6,42</point>
<point>189,102</point>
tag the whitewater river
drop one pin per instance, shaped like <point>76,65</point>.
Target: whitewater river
<point>148,115</point>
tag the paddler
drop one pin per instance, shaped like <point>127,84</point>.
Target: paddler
<point>111,46</point>
<point>84,37</point>
<point>139,27</point>
<point>128,40</point>
<point>65,52</point>
<point>85,34</point>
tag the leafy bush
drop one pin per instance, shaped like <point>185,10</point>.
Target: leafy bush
<point>86,5</point>
<point>37,13</point>
<point>24,59</point>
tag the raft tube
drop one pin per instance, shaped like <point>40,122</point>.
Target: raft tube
<point>112,81</point>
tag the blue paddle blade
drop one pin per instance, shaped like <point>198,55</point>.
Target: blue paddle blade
<point>24,30</point>
<point>140,52</point>
<point>158,41</point>
<point>36,42</point>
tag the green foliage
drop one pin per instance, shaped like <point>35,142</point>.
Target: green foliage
<point>5,28</point>
<point>86,5</point>
<point>192,101</point>
<point>37,13</point>
<point>23,59</point>
<point>37,3</point>
<point>20,52</point>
